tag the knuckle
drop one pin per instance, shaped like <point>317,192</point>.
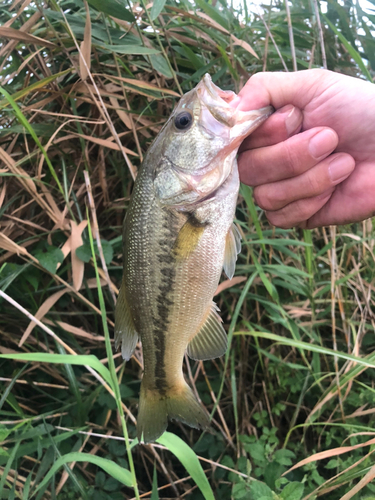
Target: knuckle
<point>314,184</point>
<point>257,78</point>
<point>290,159</point>
<point>301,211</point>
<point>279,219</point>
<point>247,168</point>
<point>263,198</point>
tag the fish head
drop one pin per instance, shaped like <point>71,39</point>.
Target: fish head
<point>197,147</point>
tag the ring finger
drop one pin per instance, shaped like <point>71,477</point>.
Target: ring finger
<point>315,181</point>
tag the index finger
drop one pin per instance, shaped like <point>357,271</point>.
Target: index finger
<point>280,89</point>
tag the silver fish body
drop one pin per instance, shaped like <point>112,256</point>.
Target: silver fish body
<point>178,234</point>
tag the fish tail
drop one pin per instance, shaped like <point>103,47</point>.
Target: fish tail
<point>178,403</point>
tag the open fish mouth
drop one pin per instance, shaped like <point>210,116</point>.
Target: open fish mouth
<point>217,102</point>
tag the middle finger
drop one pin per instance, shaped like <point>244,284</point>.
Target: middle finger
<point>288,158</point>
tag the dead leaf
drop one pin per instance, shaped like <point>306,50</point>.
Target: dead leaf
<point>244,45</point>
<point>121,113</point>
<point>21,36</point>
<point>42,311</point>
<point>85,53</point>
<point>76,331</point>
<point>2,195</point>
<point>78,266</point>
<point>212,22</point>
<point>10,246</point>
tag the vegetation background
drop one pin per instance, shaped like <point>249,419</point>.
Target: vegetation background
<point>85,86</point>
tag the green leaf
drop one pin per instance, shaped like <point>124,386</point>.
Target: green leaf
<point>284,457</point>
<point>156,8</point>
<point>10,99</point>
<point>7,468</point>
<point>117,472</point>
<point>161,66</point>
<point>213,13</point>
<point>240,491</point>
<point>189,460</point>
<point>83,360</point>
<point>260,490</point>
<point>354,53</point>
<point>292,491</point>
<point>112,8</point>
<point>4,432</point>
<point>131,49</point>
<point>84,251</point>
<point>50,258</point>
<point>154,493</point>
<point>368,361</point>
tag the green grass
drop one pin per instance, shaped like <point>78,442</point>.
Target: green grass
<point>292,402</point>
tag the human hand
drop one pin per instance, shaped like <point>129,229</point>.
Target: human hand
<point>312,163</point>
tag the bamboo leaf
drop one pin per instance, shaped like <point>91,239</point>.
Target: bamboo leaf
<point>156,8</point>
<point>112,8</point>
<point>132,49</point>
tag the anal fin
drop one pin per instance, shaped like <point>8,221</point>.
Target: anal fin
<point>211,340</point>
<point>125,332</point>
<point>232,249</point>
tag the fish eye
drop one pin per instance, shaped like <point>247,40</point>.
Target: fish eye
<point>183,120</point>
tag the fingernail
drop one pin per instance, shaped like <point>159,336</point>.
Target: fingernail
<point>293,121</point>
<point>323,143</point>
<point>340,167</point>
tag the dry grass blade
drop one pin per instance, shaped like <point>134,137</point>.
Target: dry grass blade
<point>368,478</point>
<point>330,453</point>
<point>145,85</point>
<point>33,19</point>
<point>107,144</point>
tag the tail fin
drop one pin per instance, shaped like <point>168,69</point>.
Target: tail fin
<point>179,403</point>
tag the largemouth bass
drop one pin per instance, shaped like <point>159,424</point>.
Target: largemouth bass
<point>178,235</point>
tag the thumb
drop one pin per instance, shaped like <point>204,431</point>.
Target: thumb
<point>280,89</point>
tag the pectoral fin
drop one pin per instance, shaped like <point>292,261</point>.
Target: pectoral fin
<point>125,332</point>
<point>232,249</point>
<point>211,340</point>
<point>188,237</point>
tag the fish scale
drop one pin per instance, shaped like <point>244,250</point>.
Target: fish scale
<point>177,238</point>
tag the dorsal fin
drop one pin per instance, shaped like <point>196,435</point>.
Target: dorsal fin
<point>211,339</point>
<point>125,332</point>
<point>232,249</point>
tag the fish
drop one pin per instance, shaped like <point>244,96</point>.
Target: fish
<point>178,236</point>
